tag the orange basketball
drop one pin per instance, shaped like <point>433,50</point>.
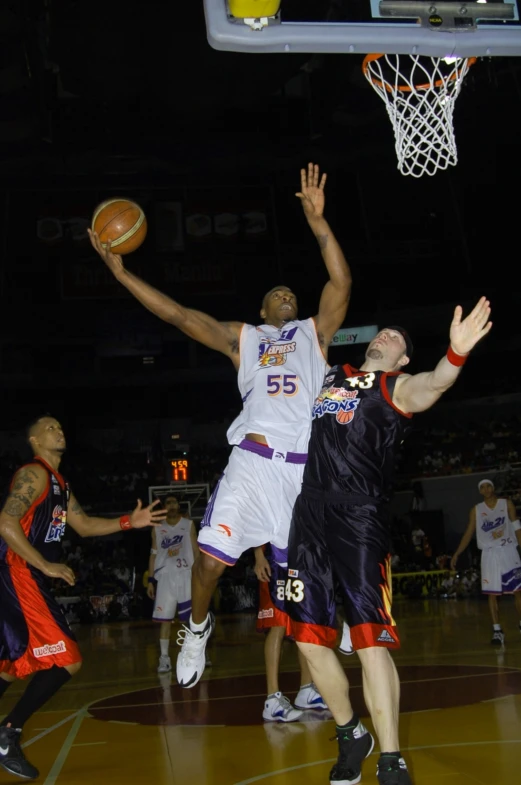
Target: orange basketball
<point>122,222</point>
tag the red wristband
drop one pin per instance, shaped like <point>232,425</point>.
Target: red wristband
<point>124,522</point>
<point>456,359</point>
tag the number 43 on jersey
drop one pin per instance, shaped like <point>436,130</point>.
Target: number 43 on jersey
<point>293,590</point>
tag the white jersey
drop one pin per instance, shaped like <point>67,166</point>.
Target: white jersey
<point>493,526</point>
<point>280,374</point>
<point>174,547</point>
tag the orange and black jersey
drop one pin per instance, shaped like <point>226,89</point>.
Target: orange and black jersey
<point>44,522</point>
<point>356,433</point>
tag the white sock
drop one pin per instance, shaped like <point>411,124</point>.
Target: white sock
<point>164,644</point>
<point>497,627</point>
<point>198,627</point>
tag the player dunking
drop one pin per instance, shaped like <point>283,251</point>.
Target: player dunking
<point>498,532</point>
<point>172,554</point>
<point>339,532</point>
<point>34,635</point>
<point>280,367</point>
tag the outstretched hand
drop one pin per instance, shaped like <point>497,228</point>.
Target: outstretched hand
<point>113,260</point>
<point>464,335</point>
<point>146,516</point>
<point>311,192</point>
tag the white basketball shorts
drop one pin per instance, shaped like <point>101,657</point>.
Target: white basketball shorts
<point>252,503</point>
<point>173,593</point>
<point>500,569</point>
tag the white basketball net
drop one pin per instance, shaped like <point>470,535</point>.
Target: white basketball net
<point>420,104</point>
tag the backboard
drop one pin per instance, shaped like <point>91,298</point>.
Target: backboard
<point>440,28</point>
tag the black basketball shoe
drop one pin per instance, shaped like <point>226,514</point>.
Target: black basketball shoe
<point>11,756</point>
<point>392,771</point>
<point>351,752</point>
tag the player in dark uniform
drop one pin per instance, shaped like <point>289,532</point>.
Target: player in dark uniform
<point>34,635</point>
<point>339,532</point>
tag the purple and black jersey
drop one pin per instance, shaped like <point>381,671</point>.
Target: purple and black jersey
<point>355,435</point>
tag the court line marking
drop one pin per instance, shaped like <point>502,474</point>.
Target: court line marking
<point>63,753</point>
<point>262,695</point>
<point>87,743</point>
<point>50,729</point>
<point>405,749</point>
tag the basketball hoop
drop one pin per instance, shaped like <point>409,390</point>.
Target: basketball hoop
<point>419,94</point>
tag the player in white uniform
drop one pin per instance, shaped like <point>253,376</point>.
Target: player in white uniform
<point>280,365</point>
<point>498,533</point>
<point>172,554</point>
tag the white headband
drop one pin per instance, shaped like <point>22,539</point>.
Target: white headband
<point>482,482</point>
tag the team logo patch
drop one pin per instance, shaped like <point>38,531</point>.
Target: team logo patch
<point>49,649</point>
<point>281,583</point>
<point>171,542</point>
<point>223,529</point>
<point>266,614</point>
<point>56,528</point>
<point>292,574</point>
<point>274,351</point>
<point>338,401</point>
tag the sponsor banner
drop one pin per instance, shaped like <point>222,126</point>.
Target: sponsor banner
<point>351,335</point>
<point>429,582</point>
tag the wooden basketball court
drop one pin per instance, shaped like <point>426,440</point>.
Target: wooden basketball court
<point>118,722</point>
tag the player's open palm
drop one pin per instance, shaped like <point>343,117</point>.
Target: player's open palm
<point>60,571</point>
<point>146,516</point>
<point>311,192</point>
<point>113,260</point>
<point>465,334</point>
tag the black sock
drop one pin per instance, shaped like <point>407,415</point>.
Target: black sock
<point>345,732</point>
<point>4,685</point>
<point>42,687</point>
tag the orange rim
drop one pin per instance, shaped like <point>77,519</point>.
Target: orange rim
<point>406,89</point>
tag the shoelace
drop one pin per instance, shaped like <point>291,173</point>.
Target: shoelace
<point>285,703</point>
<point>190,643</point>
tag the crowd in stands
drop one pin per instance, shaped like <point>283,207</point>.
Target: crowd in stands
<point>456,447</point>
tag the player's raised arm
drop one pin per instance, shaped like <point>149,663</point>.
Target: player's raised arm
<point>419,392</point>
<point>337,291</point>
<point>221,336</point>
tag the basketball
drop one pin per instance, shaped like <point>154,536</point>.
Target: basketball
<point>122,222</point>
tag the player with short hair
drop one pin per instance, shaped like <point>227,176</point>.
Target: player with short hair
<point>34,635</point>
<point>495,524</point>
<point>172,554</point>
<point>280,365</point>
<point>339,532</point>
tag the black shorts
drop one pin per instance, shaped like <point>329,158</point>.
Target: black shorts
<point>335,546</point>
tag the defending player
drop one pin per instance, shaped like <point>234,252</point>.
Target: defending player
<point>339,532</point>
<point>498,532</point>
